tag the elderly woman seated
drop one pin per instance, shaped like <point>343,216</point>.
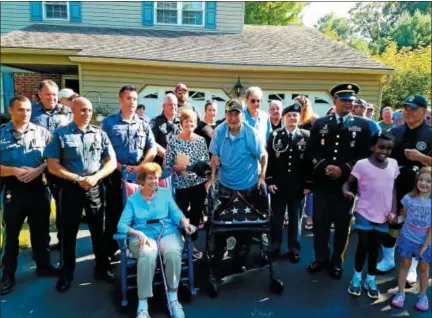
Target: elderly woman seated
<point>152,203</point>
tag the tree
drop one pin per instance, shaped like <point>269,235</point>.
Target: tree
<point>332,25</point>
<point>412,30</point>
<point>412,73</point>
<point>273,13</point>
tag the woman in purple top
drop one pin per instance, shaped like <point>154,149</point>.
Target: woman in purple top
<point>415,238</point>
<point>375,177</point>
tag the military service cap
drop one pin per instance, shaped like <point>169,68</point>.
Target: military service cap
<point>345,91</point>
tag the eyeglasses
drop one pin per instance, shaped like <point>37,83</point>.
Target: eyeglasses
<point>253,101</point>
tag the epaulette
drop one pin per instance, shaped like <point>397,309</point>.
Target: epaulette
<point>277,130</point>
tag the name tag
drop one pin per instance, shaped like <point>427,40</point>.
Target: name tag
<point>355,128</point>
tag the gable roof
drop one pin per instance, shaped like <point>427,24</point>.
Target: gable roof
<point>284,46</point>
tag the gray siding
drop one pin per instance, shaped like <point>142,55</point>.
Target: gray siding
<point>16,15</point>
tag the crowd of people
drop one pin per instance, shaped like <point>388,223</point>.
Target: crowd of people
<point>375,173</point>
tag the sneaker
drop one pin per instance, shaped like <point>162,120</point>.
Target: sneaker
<point>354,287</point>
<point>143,314</point>
<point>422,303</point>
<point>371,288</point>
<point>177,310</point>
<point>398,300</point>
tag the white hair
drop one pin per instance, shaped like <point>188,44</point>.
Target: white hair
<point>277,102</point>
<point>168,96</point>
<point>254,89</point>
<point>387,108</point>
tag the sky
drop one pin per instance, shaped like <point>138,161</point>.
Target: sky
<point>316,10</point>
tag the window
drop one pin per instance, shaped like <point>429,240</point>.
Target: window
<point>56,10</point>
<point>180,12</point>
<point>196,95</point>
<point>277,96</point>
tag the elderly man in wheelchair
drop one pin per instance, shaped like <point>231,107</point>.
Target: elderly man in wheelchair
<point>151,219</point>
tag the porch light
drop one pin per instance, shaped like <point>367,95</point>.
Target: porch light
<point>238,89</point>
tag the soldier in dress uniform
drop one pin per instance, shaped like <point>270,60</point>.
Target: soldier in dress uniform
<point>285,176</point>
<point>82,155</point>
<point>336,142</point>
<point>22,144</point>
<point>412,150</point>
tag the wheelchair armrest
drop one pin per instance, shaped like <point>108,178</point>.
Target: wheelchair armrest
<point>121,238</point>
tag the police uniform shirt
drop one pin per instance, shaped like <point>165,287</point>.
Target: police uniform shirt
<point>419,138</point>
<point>130,140</point>
<point>60,115</point>
<point>340,144</point>
<point>80,152</point>
<point>286,157</point>
<point>23,149</point>
<point>163,129</point>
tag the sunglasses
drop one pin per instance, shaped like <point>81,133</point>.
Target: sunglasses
<point>253,100</point>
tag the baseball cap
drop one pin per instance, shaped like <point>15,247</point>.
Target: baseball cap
<point>233,104</point>
<point>361,102</point>
<point>416,101</point>
<point>66,93</point>
<point>180,86</point>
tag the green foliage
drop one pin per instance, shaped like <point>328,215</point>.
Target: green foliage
<point>273,13</point>
<point>412,30</point>
<point>412,73</point>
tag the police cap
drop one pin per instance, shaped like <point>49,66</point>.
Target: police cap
<point>416,101</point>
<point>345,91</point>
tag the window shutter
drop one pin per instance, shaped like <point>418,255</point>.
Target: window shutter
<point>148,13</point>
<point>36,11</point>
<point>75,11</point>
<point>210,14</point>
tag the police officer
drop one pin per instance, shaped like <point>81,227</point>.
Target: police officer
<point>165,126</point>
<point>21,166</point>
<point>336,142</point>
<point>412,149</point>
<point>285,177</point>
<point>134,145</point>
<point>81,154</point>
<point>50,114</point>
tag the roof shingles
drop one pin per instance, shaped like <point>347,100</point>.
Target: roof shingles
<point>287,46</point>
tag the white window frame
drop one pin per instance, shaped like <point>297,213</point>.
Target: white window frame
<point>44,3</point>
<point>180,15</point>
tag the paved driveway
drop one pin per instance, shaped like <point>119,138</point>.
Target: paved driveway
<point>244,295</point>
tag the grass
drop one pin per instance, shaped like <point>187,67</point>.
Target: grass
<point>24,238</point>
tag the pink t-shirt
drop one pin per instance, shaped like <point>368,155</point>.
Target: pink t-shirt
<point>375,189</point>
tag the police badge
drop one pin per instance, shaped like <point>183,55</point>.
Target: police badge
<point>163,128</point>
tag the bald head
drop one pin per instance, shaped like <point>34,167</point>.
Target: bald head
<point>82,110</point>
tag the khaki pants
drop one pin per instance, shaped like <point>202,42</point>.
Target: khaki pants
<point>171,250</point>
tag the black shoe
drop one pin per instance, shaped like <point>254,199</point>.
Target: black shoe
<point>336,272</point>
<point>63,284</point>
<point>293,257</point>
<point>48,270</point>
<point>55,247</point>
<point>316,266</point>
<point>6,285</point>
<point>106,275</point>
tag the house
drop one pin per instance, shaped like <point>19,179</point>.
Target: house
<point>96,47</point>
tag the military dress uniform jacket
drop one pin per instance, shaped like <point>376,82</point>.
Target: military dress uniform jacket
<point>286,167</point>
<point>419,138</point>
<point>343,145</point>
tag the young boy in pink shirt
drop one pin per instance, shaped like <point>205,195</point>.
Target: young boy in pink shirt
<point>375,177</point>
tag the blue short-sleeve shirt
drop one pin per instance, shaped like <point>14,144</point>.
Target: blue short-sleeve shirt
<point>80,151</point>
<point>262,124</point>
<point>59,116</point>
<point>239,156</point>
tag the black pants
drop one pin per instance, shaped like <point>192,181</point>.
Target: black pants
<point>331,207</point>
<point>73,200</point>
<point>191,202</point>
<point>279,202</point>
<point>21,201</point>
<point>368,246</point>
<point>54,185</point>
<point>114,208</point>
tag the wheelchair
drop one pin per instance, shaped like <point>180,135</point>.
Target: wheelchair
<point>242,216</point>
<point>128,264</point>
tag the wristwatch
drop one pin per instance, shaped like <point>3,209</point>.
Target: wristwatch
<point>77,178</point>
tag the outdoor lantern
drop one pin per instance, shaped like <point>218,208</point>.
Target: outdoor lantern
<point>238,89</point>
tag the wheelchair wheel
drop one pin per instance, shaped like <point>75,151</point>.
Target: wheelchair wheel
<point>276,286</point>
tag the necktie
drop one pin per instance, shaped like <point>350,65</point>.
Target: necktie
<point>341,122</point>
<point>290,137</point>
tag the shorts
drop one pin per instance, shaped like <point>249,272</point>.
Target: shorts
<point>361,223</point>
<point>409,249</point>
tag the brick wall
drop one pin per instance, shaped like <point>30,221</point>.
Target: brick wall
<point>27,83</point>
